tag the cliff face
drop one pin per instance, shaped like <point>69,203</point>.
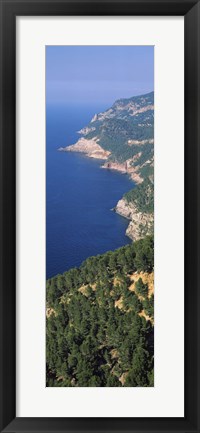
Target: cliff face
<point>125,167</point>
<point>141,223</point>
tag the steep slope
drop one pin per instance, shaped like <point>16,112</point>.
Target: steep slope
<point>137,205</point>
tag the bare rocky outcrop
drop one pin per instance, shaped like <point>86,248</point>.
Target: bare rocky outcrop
<point>126,167</point>
<point>86,130</point>
<point>141,224</point>
<point>140,142</point>
<point>90,147</point>
<point>135,110</point>
<point>116,166</point>
<point>50,312</point>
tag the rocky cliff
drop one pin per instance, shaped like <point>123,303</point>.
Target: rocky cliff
<point>90,147</point>
<point>126,167</point>
<point>141,223</point>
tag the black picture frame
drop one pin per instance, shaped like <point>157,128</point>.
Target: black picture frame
<point>9,10</point>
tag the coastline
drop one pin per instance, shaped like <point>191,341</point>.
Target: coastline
<point>140,223</point>
<point>92,149</point>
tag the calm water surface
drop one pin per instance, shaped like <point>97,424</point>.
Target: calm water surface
<point>79,196</point>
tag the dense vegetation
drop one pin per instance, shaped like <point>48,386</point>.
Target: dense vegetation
<point>100,321</point>
<point>117,125</point>
<point>142,196</point>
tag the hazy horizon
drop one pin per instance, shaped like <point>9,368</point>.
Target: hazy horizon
<point>97,75</point>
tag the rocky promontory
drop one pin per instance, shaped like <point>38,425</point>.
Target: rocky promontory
<point>88,146</point>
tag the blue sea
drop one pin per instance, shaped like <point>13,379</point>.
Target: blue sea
<point>79,195</point>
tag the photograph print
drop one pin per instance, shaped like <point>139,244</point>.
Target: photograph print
<point>99,216</point>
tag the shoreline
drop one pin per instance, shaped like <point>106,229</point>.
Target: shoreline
<point>138,222</point>
<point>112,166</point>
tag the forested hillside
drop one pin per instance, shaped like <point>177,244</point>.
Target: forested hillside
<point>126,128</point>
<point>100,320</point>
<point>142,196</point>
